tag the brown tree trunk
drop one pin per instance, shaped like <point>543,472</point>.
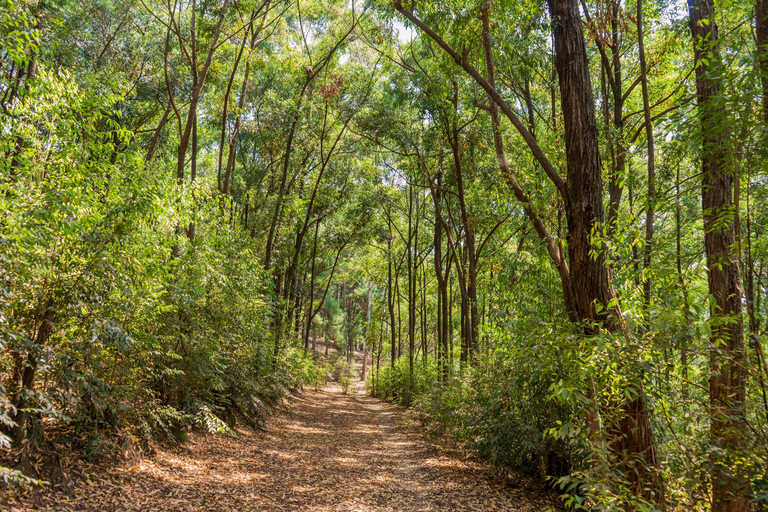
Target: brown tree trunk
<point>469,295</point>
<point>156,136</point>
<point>391,300</point>
<point>446,322</point>
<point>615,187</point>
<point>310,309</point>
<point>424,329</point>
<point>450,323</point>
<point>442,276</point>
<point>727,384</point>
<point>437,245</point>
<point>584,183</point>
<point>633,445</point>
<point>27,369</point>
<point>761,33</point>
<point>410,249</point>
<point>650,209</point>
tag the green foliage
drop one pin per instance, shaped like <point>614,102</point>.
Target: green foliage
<point>345,373</point>
<point>17,478</point>
<point>129,330</point>
<point>501,407</point>
<point>137,302</point>
<point>320,374</point>
<point>398,385</point>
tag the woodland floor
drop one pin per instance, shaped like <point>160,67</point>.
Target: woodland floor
<point>322,451</point>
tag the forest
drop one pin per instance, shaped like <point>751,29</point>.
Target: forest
<point>541,223</point>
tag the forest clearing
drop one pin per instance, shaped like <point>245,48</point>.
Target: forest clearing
<point>536,227</point>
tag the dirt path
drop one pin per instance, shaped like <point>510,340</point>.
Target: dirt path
<point>325,451</point>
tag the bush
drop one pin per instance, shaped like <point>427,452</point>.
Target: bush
<point>501,407</point>
<point>137,327</point>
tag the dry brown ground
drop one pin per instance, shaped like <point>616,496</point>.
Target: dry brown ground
<point>323,451</point>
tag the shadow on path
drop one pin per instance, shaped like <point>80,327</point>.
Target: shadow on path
<point>324,451</point>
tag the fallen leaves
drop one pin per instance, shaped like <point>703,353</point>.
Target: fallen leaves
<point>324,452</point>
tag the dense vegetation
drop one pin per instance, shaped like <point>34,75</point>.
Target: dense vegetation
<point>542,223</point>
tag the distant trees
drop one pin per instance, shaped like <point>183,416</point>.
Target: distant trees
<point>520,211</point>
<point>136,184</point>
<point>585,254</point>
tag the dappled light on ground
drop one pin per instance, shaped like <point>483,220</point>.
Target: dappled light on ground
<point>323,452</point>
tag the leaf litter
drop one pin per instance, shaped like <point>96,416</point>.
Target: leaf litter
<point>323,451</point>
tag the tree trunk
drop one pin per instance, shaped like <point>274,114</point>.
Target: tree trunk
<point>633,446</point>
<point>411,285</point>
<point>27,369</point>
<point>680,280</point>
<point>761,33</point>
<point>651,169</point>
<point>437,244</point>
<point>727,384</point>
<point>584,184</point>
<point>156,136</point>
<point>424,330</point>
<point>464,323</point>
<point>391,299</point>
<point>469,308</point>
<point>615,187</point>
<point>442,275</point>
<point>446,322</point>
<point>450,323</point>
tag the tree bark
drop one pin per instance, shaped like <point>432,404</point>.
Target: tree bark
<point>156,136</point>
<point>411,283</point>
<point>27,369</point>
<point>583,190</point>
<point>727,385</point>
<point>615,187</point>
<point>633,445</point>
<point>469,288</point>
<point>423,327</point>
<point>442,276</point>
<point>437,247</point>
<point>761,33</point>
<point>650,209</point>
<point>391,299</point>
